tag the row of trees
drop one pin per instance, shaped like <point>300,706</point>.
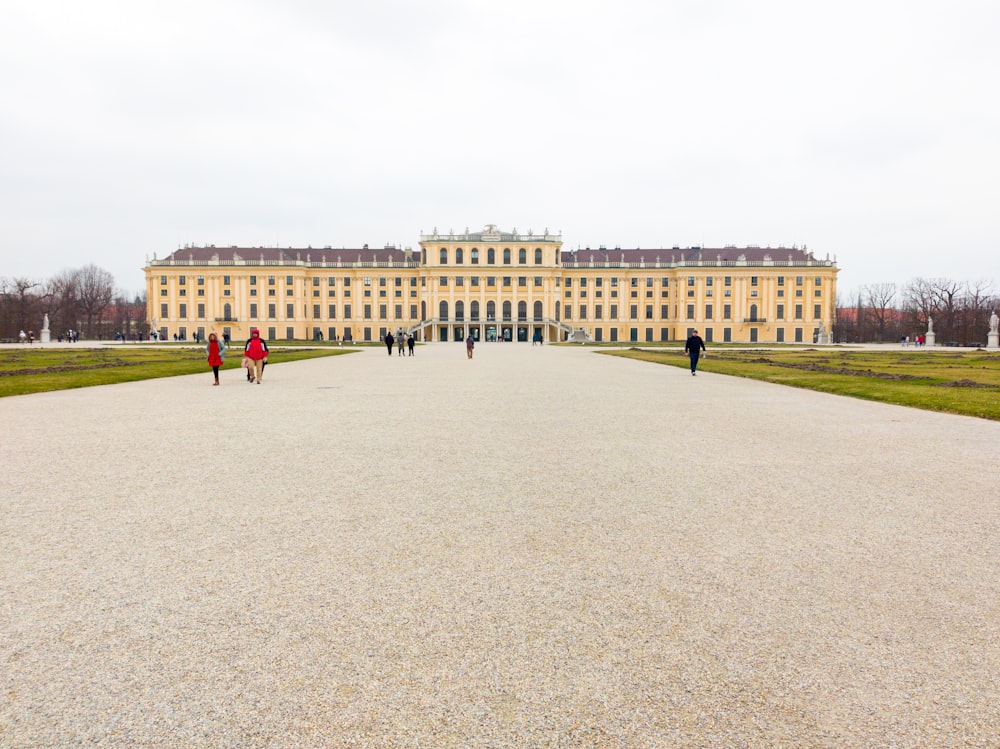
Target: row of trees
<point>884,312</point>
<point>83,300</point>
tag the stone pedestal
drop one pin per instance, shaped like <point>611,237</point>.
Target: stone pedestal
<point>993,341</point>
<point>46,334</point>
<point>929,338</point>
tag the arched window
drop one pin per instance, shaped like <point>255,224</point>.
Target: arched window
<point>459,310</point>
<point>444,256</point>
<point>538,256</point>
<point>443,314</point>
<point>474,256</point>
<point>491,310</point>
<point>227,311</point>
<point>522,256</point>
<point>538,310</point>
<point>491,256</point>
<point>474,311</point>
<point>753,312</point>
<point>458,256</point>
<point>506,311</point>
<point>506,255</point>
<point>522,310</point>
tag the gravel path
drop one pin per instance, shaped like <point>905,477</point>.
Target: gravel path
<point>542,547</point>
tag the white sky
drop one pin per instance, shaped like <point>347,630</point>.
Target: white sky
<point>866,129</point>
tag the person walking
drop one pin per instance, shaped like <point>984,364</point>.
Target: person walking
<point>409,344</point>
<point>470,344</point>
<point>693,348</point>
<point>389,340</point>
<point>216,351</point>
<point>256,351</point>
<point>400,342</point>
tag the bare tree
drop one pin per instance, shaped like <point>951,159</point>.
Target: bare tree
<point>96,290</point>
<point>881,308</point>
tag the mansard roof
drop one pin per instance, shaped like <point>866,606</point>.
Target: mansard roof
<point>688,255</point>
<point>285,255</point>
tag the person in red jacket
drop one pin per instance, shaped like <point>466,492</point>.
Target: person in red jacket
<point>216,351</point>
<point>256,351</point>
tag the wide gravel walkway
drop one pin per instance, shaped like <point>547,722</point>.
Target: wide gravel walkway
<point>542,547</point>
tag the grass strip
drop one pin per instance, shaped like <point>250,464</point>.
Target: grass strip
<point>966,383</point>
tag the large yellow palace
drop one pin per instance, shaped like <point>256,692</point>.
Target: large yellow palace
<point>494,285</point>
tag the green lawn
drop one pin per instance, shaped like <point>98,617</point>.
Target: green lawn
<point>35,370</point>
<point>965,383</point>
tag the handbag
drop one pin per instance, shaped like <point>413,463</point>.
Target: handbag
<point>245,363</point>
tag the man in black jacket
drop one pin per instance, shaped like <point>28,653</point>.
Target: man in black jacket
<point>693,348</point>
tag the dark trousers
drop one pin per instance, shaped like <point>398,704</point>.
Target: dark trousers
<point>694,360</point>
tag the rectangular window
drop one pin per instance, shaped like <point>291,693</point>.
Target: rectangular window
<point>332,311</point>
<point>163,280</point>
<point>399,311</point>
<point>727,281</point>
<point>459,281</point>
<point>368,312</point>
<point>506,281</point>
<point>184,311</point>
<point>727,335</point>
<point>649,311</point>
<point>798,311</point>
<point>253,280</point>
<point>474,281</point>
<point>182,280</point>
<point>781,312</point>
<point>272,311</point>
<point>382,312</point>
<point>690,280</point>
<point>664,311</point>
<point>163,292</point>
<point>780,335</point>
<point>567,312</point>
<point>798,280</point>
<point>817,311</point>
<point>614,313</point>
<point>727,312</point>
<point>781,280</point>
<point>270,280</point>
<point>690,312</point>
<point>288,281</point>
<point>201,311</point>
<point>583,311</point>
<point>633,312</point>
<point>818,281</point>
<point>289,311</point>
<point>443,282</point>
<point>598,312</point>
<point>201,280</point>
<point>708,311</point>
<point>347,312</point>
<point>253,311</point>
<point>163,311</point>
<point>538,280</point>
<point>183,292</point>
<point>753,280</point>
<point>798,335</point>
<point>413,312</point>
<point>315,312</point>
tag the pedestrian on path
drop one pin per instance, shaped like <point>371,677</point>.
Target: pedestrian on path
<point>693,348</point>
<point>216,351</point>
<point>389,340</point>
<point>256,351</point>
<point>409,344</point>
<point>470,344</point>
<point>400,343</point>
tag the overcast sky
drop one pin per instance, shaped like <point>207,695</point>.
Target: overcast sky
<point>864,129</point>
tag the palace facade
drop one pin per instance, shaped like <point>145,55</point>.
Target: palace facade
<point>494,285</point>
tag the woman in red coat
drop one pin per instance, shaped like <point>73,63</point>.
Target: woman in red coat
<point>256,352</point>
<point>216,351</point>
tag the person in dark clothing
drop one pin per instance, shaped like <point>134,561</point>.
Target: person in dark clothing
<point>409,344</point>
<point>389,340</point>
<point>693,348</point>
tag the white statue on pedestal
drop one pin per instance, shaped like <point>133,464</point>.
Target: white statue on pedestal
<point>993,339</point>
